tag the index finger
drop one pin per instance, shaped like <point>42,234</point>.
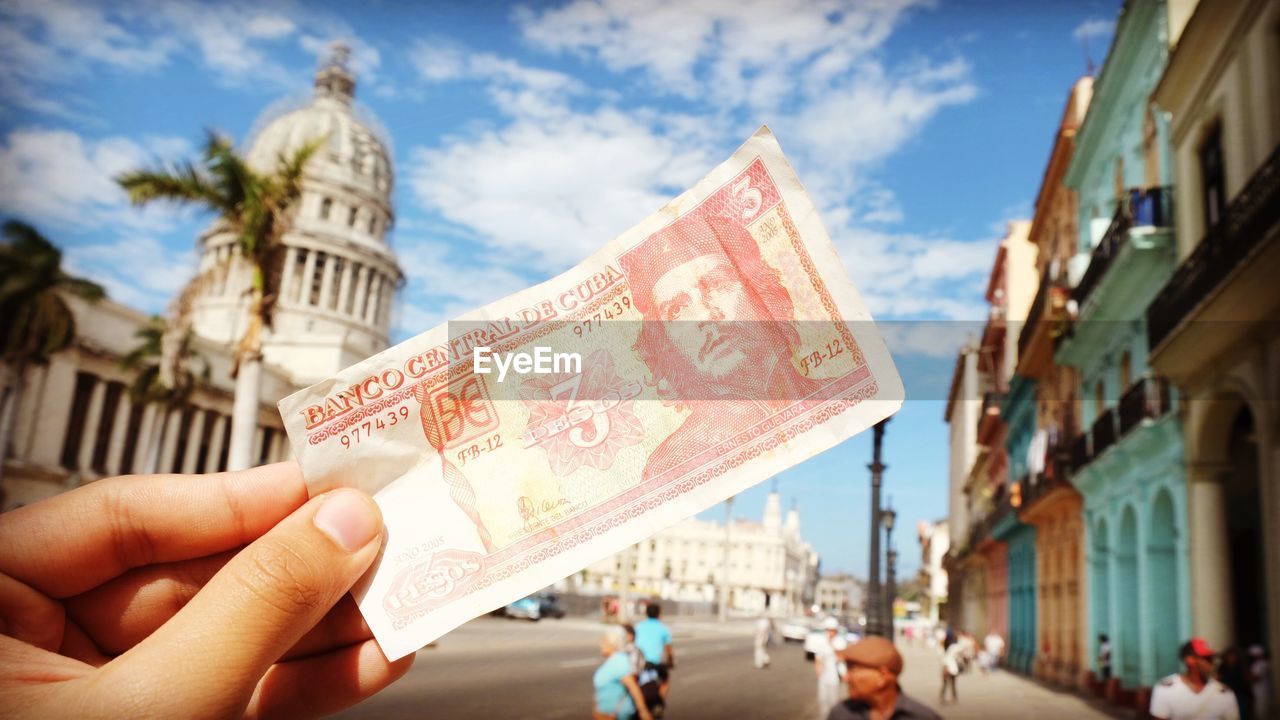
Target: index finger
<point>75,541</point>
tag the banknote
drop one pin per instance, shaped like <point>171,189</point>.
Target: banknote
<point>708,348</point>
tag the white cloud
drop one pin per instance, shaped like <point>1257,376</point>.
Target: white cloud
<point>46,43</point>
<point>554,192</point>
<point>443,285</point>
<point>516,89</point>
<point>136,270</point>
<point>58,178</point>
<point>1094,28</point>
<point>901,274</point>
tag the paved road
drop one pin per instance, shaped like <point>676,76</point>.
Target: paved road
<point>498,668</point>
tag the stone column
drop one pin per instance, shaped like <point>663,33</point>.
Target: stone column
<point>308,272</point>
<point>119,433</point>
<point>194,433</point>
<point>362,288</point>
<point>92,423</point>
<point>371,297</point>
<point>53,411</point>
<point>344,285</point>
<point>287,284</point>
<point>215,443</point>
<point>326,281</point>
<point>170,447</point>
<point>1210,556</point>
<point>28,411</point>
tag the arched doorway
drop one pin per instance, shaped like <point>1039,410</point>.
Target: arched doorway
<point>1243,504</point>
<point>1163,564</point>
<point>1100,589</point>
<point>1129,618</point>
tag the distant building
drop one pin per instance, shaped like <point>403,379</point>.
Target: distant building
<point>839,594</point>
<point>770,564</point>
<point>76,423</point>
<point>935,542</point>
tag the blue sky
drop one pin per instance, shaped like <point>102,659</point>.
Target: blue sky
<point>920,128</point>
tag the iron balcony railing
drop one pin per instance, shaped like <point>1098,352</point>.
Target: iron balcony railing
<point>1224,247</point>
<point>1103,432</point>
<point>1147,207</point>
<point>1081,451</point>
<point>1147,399</point>
<point>1037,309</point>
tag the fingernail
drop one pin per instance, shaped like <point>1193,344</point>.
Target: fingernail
<point>349,519</point>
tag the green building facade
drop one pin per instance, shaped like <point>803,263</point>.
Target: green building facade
<point>1128,463</point>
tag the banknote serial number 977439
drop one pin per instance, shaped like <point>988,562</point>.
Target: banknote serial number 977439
<point>359,433</point>
<point>608,312</point>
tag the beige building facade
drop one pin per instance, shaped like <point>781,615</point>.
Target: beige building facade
<point>1213,329</point>
<point>770,564</point>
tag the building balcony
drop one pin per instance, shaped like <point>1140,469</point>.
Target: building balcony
<point>1035,351</point>
<point>1081,451</point>
<point>1103,432</point>
<point>1148,399</point>
<point>989,417</point>
<point>1144,208</point>
<point>1226,247</point>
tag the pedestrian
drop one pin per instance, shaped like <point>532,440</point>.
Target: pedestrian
<point>1104,658</point>
<point>206,633</point>
<point>633,653</point>
<point>764,635</point>
<point>872,680</point>
<point>1193,694</point>
<point>952,654</point>
<point>826,664</point>
<point>617,690</point>
<point>1233,673</point>
<point>654,640</point>
<point>993,645</point>
<point>1260,675</point>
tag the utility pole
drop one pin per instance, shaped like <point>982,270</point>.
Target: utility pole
<point>724,569</point>
<point>874,592</point>
<point>887,517</point>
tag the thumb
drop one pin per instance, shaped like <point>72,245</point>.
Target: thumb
<point>260,604</point>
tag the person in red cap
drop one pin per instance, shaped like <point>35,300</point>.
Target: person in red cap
<point>1194,694</point>
<point>874,665</point>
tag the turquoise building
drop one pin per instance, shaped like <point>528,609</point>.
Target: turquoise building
<point>1019,412</point>
<point>1128,463</point>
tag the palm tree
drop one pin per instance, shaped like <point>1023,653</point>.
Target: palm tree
<point>163,361</point>
<point>35,321</point>
<point>259,209</point>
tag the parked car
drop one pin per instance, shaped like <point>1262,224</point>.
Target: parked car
<point>795,629</point>
<point>528,608</point>
<point>549,607</point>
<point>535,607</point>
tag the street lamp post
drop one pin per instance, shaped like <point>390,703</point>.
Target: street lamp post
<point>891,556</point>
<point>873,581</point>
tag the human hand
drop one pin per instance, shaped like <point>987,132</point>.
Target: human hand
<point>188,596</point>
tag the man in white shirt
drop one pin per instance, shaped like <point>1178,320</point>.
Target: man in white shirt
<point>826,663</point>
<point>993,644</point>
<point>1194,694</point>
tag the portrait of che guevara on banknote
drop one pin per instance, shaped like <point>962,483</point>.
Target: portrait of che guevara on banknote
<point>710,347</point>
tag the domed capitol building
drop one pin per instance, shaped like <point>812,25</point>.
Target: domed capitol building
<point>76,422</point>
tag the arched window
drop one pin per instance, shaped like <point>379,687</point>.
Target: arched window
<point>351,216</point>
<point>373,224</point>
<point>325,206</point>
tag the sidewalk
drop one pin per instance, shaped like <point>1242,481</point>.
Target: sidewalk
<point>1002,694</point>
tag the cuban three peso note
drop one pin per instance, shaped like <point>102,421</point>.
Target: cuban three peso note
<point>708,348</point>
